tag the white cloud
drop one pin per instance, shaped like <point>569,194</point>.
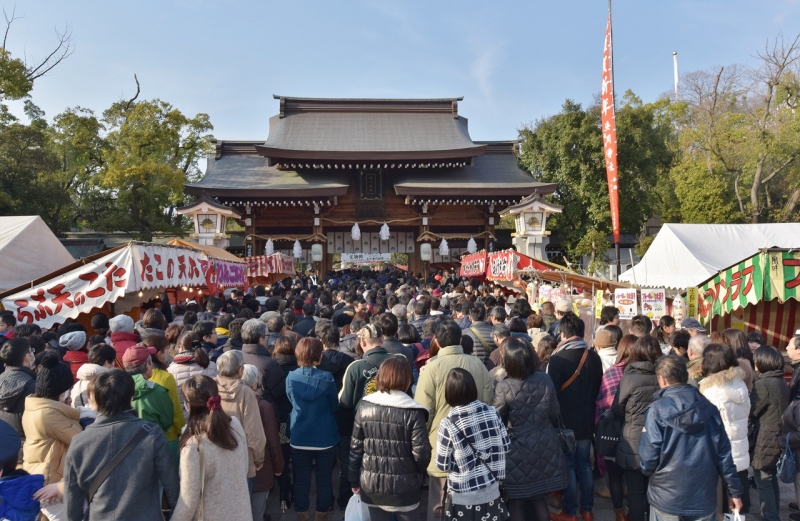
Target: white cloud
<point>482,69</point>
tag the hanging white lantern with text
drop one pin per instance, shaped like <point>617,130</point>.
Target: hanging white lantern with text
<point>472,246</point>
<point>444,248</point>
<point>384,232</point>
<point>355,233</point>
<point>297,251</point>
<point>269,249</point>
<point>316,253</point>
<point>425,252</point>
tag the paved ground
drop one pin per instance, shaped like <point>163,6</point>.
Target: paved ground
<point>603,511</point>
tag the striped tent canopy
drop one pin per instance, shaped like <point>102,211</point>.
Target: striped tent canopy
<point>776,321</point>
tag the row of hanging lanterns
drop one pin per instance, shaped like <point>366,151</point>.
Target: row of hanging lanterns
<point>355,233</point>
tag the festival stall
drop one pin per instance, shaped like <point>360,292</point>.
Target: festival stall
<point>268,269</point>
<point>120,280</point>
<point>759,293</point>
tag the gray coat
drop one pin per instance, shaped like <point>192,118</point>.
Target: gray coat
<point>535,463</point>
<point>485,330</point>
<point>636,389</point>
<point>131,490</point>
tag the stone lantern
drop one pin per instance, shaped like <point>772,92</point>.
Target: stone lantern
<point>530,221</point>
<point>209,217</point>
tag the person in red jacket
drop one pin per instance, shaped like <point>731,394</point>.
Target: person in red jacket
<point>122,336</point>
<point>77,353</point>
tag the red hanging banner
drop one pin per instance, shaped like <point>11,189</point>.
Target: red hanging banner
<point>608,123</point>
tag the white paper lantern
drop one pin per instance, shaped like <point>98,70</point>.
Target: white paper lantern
<point>355,233</point>
<point>444,249</point>
<point>384,232</point>
<point>297,251</point>
<point>269,249</point>
<point>472,246</point>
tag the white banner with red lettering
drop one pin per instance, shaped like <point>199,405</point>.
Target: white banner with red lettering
<point>134,268</point>
<point>474,265</point>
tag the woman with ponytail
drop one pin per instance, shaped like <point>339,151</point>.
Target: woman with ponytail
<point>214,461</point>
<point>190,361</point>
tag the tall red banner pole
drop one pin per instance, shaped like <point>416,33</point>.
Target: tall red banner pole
<point>609,127</point>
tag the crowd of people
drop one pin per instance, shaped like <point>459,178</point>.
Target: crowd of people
<point>493,408</point>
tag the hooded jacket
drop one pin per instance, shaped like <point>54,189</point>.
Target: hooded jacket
<point>684,436</point>
<point>347,345</point>
<point>240,401</point>
<point>16,383</point>
<point>768,401</point>
<point>86,374</point>
<point>152,402</point>
<point>167,381</point>
<point>49,427</point>
<point>389,450</point>
<point>728,392</point>
<point>312,393</point>
<point>578,400</point>
<point>637,387</point>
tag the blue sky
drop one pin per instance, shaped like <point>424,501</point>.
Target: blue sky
<point>514,62</point>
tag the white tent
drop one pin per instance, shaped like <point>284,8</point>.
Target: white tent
<point>685,255</point>
<point>28,250</point>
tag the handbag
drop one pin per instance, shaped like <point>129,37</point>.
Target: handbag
<point>787,464</point>
<point>609,431</point>
<point>503,492</point>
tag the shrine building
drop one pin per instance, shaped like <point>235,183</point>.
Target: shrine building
<point>330,163</point>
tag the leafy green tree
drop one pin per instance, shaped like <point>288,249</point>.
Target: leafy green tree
<point>152,151</point>
<point>567,149</point>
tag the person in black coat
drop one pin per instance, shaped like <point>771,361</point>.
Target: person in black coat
<point>526,402</point>
<point>388,323</point>
<point>637,387</point>
<point>306,324</point>
<point>768,401</point>
<point>390,450</point>
<point>577,403</point>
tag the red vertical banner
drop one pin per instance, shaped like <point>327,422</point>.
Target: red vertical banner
<point>609,126</point>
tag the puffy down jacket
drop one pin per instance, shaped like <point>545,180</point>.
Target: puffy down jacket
<point>727,390</point>
<point>768,400</point>
<point>635,394</point>
<point>389,450</point>
<point>535,463</point>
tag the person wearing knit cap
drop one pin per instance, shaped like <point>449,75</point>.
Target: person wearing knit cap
<point>77,353</point>
<point>122,335</point>
<point>49,423</point>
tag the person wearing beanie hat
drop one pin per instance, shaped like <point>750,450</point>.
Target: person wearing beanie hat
<point>77,353</point>
<point>122,336</point>
<point>49,423</point>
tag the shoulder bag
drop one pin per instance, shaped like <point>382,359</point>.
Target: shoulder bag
<point>503,492</point>
<point>567,436</point>
<point>481,340</point>
<point>143,431</point>
<point>787,464</point>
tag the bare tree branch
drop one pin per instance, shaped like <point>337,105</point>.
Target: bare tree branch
<point>9,21</point>
<point>63,50</point>
<point>138,90</point>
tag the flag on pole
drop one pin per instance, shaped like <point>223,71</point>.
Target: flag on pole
<point>608,122</point>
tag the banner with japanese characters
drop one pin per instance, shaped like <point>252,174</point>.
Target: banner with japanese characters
<point>266,265</point>
<point>654,303</point>
<point>625,302</point>
<point>130,269</point>
<point>502,265</point>
<point>784,276</point>
<point>608,125</point>
<point>733,288</point>
<point>474,265</point>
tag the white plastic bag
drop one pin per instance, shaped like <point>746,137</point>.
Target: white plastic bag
<point>356,510</point>
<point>733,516</point>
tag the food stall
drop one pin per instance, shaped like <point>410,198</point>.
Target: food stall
<point>119,280</point>
<point>759,293</point>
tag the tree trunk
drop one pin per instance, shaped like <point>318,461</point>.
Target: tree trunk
<point>791,204</point>
<point>754,211</point>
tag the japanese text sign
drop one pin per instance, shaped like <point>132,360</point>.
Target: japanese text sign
<point>625,302</point>
<point>731,289</point>
<point>654,303</point>
<point>474,265</point>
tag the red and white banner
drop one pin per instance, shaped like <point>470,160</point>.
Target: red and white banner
<point>474,265</point>
<point>134,268</point>
<point>609,126</point>
<point>502,265</point>
<point>266,265</point>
